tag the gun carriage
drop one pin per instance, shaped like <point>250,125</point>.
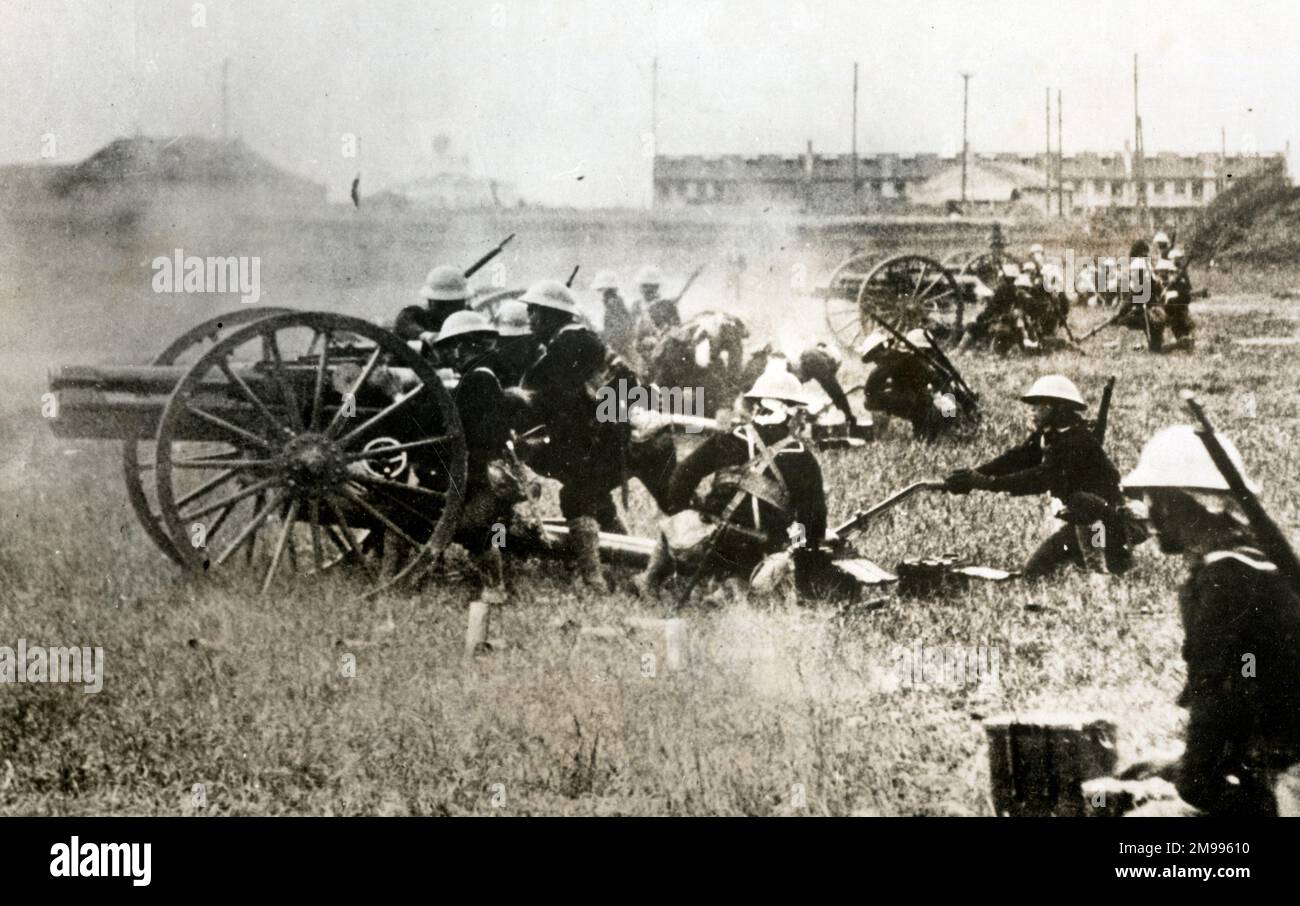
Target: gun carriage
<point>280,441</point>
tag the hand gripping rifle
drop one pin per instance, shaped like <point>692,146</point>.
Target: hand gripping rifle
<point>971,399</point>
<point>1267,534</point>
<point>483,262</point>
<point>940,361</point>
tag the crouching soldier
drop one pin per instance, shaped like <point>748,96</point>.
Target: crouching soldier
<point>1241,624</point>
<point>766,494</point>
<point>1178,301</point>
<point>445,291</point>
<point>1064,458</point>
<point>819,363</point>
<point>909,385</point>
<point>492,484</point>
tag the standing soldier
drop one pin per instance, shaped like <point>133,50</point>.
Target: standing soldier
<point>590,457</point>
<point>1238,611</point>
<point>1178,300</point>
<point>623,323</point>
<point>661,312</point>
<point>445,291</point>
<point>766,492</point>
<point>1063,458</point>
<point>1160,246</point>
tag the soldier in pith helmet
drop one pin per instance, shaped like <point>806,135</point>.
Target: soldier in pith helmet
<point>445,291</point>
<point>1062,457</point>
<point>1241,626</point>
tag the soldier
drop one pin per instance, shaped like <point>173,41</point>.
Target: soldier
<point>1140,305</point>
<point>1238,611</point>
<point>662,312</point>
<point>1062,457</point>
<point>590,457</point>
<point>766,491</point>
<point>445,291</point>
<point>1160,246</point>
<point>995,325</point>
<point>1037,257</point>
<point>516,347</point>
<point>908,385</point>
<point>1178,300</point>
<point>818,363</point>
<point>465,343</point>
<point>623,323</point>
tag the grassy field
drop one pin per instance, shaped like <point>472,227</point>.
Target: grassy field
<point>786,708</point>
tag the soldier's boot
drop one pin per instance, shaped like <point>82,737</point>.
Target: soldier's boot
<point>584,544</point>
<point>657,571</point>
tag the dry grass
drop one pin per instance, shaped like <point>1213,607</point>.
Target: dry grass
<point>778,695</point>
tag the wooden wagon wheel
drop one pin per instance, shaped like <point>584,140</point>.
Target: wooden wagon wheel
<point>137,468</point>
<point>843,316</point>
<point>912,291</point>
<point>336,439</point>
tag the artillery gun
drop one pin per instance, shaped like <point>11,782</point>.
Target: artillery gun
<point>288,441</point>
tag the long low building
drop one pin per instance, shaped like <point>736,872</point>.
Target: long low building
<point>825,183</point>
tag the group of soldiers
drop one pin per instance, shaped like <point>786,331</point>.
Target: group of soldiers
<point>749,503</point>
<point>1028,310</point>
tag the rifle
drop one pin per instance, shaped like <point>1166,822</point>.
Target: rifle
<point>862,517</point>
<point>944,366</point>
<point>1268,536</point>
<point>1121,312</point>
<point>482,262</point>
<point>1103,412</point>
<point>569,282</point>
<point>687,285</point>
<point>972,400</point>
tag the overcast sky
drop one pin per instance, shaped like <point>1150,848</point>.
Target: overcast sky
<point>539,92</point>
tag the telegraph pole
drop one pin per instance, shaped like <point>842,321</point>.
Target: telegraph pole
<point>965,145</point>
<point>1139,153</point>
<point>1047,161</point>
<point>654,125</point>
<point>855,136</point>
<point>1060,159</point>
<point>225,100</point>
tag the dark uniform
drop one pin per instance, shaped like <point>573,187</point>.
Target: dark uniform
<point>764,480</point>
<point>1178,310</point>
<point>1244,712</point>
<point>903,384</point>
<point>998,323</point>
<point>590,457</point>
<point>1067,462</point>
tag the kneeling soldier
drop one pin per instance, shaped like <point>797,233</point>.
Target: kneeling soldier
<point>1062,457</point>
<point>766,492</point>
<point>1238,611</point>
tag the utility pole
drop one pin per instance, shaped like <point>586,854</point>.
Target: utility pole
<point>1047,159</point>
<point>1139,152</point>
<point>1060,159</point>
<point>225,100</point>
<point>654,125</point>
<point>965,145</point>
<point>855,138</point>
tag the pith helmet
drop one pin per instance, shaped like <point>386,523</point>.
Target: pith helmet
<point>916,336</point>
<point>1010,271</point>
<point>445,284</point>
<point>512,319</point>
<point>1054,388</point>
<point>778,384</point>
<point>1176,458</point>
<point>649,275</point>
<point>550,294</point>
<point>1175,254</point>
<point>1024,281</point>
<point>1036,249</point>
<point>460,323</point>
<point>1160,239</point>
<point>872,346</point>
<point>604,280</point>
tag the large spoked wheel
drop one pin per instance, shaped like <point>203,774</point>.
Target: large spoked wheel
<point>137,453</point>
<point>912,291</point>
<point>311,440</point>
<point>843,317</point>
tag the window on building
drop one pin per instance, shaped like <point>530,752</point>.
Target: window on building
<point>1198,189</point>
<point>1117,188</point>
<point>1160,188</point>
<point>692,191</point>
<point>900,187</point>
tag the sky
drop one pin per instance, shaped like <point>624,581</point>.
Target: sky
<point>539,93</point>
